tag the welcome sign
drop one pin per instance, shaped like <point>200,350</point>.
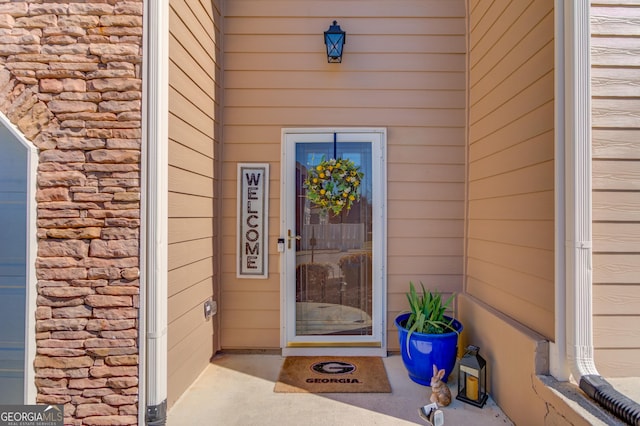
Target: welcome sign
<point>253,208</point>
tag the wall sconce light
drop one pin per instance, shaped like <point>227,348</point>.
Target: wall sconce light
<point>335,39</point>
<point>472,378</point>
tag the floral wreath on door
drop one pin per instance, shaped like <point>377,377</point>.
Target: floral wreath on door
<point>334,184</point>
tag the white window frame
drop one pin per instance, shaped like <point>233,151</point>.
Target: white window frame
<point>30,390</point>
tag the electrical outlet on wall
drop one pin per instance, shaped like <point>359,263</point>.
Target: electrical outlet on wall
<point>210,308</point>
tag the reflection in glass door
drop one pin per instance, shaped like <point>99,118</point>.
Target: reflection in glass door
<point>335,296</point>
<point>333,254</point>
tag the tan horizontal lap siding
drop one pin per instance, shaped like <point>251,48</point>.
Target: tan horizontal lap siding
<point>615,46</point>
<point>403,69</point>
<point>510,263</point>
<point>193,175</point>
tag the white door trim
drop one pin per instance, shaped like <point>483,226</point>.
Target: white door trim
<point>30,390</point>
<point>375,345</point>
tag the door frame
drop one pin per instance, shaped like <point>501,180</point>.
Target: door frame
<point>376,344</point>
<point>30,391</point>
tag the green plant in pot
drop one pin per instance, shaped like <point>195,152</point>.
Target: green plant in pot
<point>427,336</point>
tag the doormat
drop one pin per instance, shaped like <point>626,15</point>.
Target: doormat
<point>333,375</point>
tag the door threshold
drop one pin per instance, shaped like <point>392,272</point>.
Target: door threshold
<point>335,351</point>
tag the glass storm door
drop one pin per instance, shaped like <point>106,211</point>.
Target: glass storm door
<point>333,293</point>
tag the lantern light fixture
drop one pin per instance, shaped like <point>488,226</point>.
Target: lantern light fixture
<point>334,39</point>
<point>472,378</point>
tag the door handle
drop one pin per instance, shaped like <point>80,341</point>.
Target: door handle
<point>292,237</point>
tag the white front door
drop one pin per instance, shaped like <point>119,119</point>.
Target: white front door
<point>334,264</point>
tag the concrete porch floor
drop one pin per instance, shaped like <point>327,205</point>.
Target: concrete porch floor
<point>237,389</point>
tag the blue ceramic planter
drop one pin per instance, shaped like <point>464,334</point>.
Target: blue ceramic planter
<point>427,349</point>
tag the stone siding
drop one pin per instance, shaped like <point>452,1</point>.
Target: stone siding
<point>70,80</point>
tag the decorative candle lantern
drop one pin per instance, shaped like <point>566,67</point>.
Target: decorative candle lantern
<point>472,378</point>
